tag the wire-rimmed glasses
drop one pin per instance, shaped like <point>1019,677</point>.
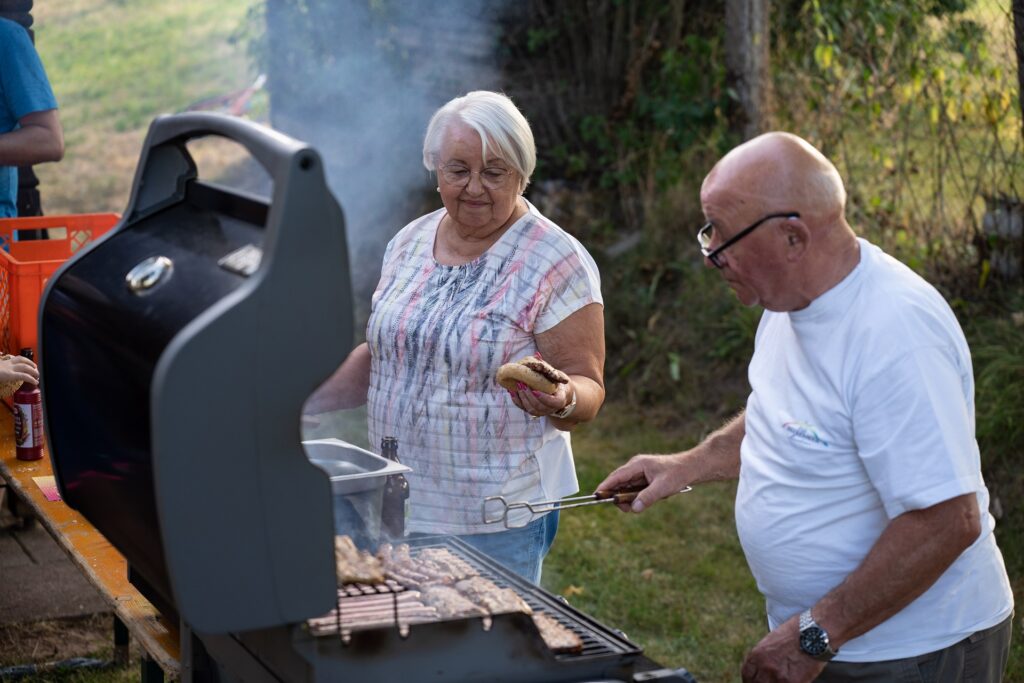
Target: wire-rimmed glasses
<point>706,235</point>
<point>492,177</point>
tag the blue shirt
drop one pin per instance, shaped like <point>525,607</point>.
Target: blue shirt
<point>24,89</point>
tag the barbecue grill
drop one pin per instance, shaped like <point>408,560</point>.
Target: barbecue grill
<point>173,431</point>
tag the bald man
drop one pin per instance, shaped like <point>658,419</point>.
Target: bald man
<point>861,506</point>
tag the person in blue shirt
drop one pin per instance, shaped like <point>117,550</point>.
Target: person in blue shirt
<point>30,130</point>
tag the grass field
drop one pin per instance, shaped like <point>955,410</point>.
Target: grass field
<point>673,579</point>
<point>114,66</point>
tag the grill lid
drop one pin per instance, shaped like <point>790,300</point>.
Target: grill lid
<point>211,454</point>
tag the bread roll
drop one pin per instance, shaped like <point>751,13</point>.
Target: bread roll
<point>534,373</point>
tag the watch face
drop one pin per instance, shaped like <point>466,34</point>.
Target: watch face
<point>812,641</point>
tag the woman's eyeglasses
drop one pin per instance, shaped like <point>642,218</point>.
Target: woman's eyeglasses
<point>492,177</point>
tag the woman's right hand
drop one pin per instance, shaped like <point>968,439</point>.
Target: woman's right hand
<point>346,388</point>
<point>18,369</point>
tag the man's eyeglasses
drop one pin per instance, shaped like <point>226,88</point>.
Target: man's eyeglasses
<point>492,177</point>
<point>707,234</point>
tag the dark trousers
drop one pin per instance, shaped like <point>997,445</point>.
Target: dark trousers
<point>979,658</point>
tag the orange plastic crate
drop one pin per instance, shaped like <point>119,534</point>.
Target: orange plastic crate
<point>26,265</point>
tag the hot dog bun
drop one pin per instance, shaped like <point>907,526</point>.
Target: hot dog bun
<point>534,373</point>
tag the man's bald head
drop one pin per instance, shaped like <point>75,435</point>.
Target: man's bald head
<point>780,182</point>
<point>781,172</point>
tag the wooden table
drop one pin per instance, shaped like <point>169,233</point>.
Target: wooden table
<point>101,563</point>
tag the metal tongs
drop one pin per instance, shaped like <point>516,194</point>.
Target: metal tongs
<point>500,508</point>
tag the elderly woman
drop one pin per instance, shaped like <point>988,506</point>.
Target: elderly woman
<point>480,282</point>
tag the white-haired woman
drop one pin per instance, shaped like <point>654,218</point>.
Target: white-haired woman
<point>482,281</point>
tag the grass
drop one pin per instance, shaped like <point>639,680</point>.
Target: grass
<point>997,345</point>
<point>114,66</point>
<point>674,578</point>
<point>63,640</point>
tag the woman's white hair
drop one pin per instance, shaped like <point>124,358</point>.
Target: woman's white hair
<point>500,126</point>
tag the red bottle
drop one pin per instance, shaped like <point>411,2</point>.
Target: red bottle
<point>28,419</point>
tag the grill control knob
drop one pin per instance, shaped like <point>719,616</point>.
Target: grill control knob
<point>149,274</point>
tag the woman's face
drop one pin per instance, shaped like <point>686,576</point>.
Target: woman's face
<point>482,200</point>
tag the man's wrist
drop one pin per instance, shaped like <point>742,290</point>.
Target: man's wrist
<point>813,639</point>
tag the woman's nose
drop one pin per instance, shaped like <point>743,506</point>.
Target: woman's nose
<point>476,183</point>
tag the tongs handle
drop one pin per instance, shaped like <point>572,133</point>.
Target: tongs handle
<point>617,497</point>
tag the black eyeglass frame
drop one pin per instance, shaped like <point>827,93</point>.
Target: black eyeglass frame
<point>713,254</point>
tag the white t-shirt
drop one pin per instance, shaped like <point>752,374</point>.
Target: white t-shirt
<point>861,409</point>
<point>437,335</point>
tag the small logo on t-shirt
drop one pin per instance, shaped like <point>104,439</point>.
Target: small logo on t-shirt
<point>804,432</point>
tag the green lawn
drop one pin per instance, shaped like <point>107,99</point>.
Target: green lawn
<point>114,66</point>
<point>673,578</point>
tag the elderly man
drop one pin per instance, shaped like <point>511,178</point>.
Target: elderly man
<point>861,506</point>
<point>30,130</point>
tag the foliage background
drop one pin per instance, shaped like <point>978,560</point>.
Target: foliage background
<point>915,101</point>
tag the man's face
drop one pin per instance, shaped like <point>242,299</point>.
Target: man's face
<point>754,265</point>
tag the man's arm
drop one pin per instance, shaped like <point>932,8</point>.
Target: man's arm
<point>716,458</point>
<point>910,555</point>
<point>40,138</point>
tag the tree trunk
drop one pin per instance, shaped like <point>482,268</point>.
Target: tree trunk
<point>1018,40</point>
<point>746,62</point>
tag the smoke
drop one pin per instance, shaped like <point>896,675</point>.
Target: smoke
<point>359,80</point>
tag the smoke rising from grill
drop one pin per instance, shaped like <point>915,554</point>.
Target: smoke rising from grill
<point>359,80</point>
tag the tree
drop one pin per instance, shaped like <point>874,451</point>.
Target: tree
<point>1018,40</point>
<point>746,61</point>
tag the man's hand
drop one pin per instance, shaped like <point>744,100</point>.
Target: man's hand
<point>716,458</point>
<point>778,658</point>
<point>663,476</point>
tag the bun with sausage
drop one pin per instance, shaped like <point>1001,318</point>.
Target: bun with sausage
<point>534,373</point>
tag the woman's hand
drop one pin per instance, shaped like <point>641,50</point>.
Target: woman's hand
<point>346,388</point>
<point>539,404</point>
<point>18,369</point>
<point>576,347</point>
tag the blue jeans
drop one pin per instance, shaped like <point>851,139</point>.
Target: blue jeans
<point>521,550</point>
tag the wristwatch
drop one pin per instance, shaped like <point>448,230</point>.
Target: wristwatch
<point>567,410</point>
<point>814,639</point>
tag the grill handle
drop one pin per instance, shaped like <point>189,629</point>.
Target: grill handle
<point>166,166</point>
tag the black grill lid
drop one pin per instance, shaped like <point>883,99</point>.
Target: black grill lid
<point>173,410</point>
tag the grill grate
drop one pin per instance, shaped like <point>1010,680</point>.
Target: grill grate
<point>598,640</point>
<point>360,606</point>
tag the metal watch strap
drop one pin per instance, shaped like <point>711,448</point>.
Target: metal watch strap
<point>807,622</point>
<point>567,410</point>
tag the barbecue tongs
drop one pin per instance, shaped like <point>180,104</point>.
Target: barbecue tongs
<point>497,509</point>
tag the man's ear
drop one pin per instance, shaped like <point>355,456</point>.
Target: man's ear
<point>798,238</point>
